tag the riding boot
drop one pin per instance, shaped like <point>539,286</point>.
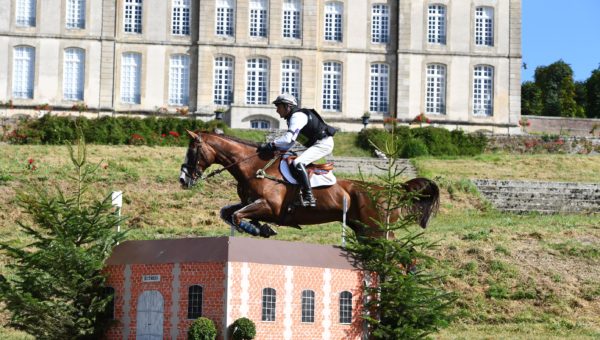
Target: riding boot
<point>308,200</point>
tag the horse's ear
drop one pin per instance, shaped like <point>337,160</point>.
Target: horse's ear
<point>192,134</point>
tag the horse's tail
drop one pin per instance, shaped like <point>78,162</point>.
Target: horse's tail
<point>426,200</point>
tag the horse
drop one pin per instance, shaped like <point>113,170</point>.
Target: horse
<point>268,198</point>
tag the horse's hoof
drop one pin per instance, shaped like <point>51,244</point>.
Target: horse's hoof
<point>266,231</point>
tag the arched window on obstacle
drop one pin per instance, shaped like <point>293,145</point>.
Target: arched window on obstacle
<point>109,311</point>
<point>308,306</point>
<point>269,301</point>
<point>194,302</point>
<point>345,307</point>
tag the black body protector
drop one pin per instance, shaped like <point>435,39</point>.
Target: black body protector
<point>314,130</point>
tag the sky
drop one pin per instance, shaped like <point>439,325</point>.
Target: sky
<point>561,29</point>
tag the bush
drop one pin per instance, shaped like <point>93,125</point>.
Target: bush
<point>243,329</point>
<point>202,329</point>
<point>414,148</point>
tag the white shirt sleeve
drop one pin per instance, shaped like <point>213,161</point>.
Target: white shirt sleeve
<point>297,122</point>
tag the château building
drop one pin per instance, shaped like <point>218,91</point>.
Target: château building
<point>458,62</point>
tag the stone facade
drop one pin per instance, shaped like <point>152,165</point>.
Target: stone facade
<point>407,54</point>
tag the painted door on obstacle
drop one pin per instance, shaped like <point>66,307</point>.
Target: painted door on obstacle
<point>150,314</point>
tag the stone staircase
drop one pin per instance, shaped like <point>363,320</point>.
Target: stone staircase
<point>370,166</point>
<point>543,197</point>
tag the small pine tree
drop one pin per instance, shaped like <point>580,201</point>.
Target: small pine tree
<point>403,301</point>
<point>54,285</point>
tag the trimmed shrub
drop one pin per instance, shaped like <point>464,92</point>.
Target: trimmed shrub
<point>414,148</point>
<point>243,329</point>
<point>202,329</point>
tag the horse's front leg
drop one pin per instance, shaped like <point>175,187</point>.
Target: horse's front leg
<point>227,212</point>
<point>253,211</point>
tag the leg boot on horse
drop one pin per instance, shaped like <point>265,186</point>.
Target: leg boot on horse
<point>307,198</point>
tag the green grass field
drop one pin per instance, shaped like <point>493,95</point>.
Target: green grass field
<point>518,276</point>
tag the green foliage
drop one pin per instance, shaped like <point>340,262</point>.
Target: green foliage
<point>424,141</point>
<point>54,285</point>
<point>531,99</point>
<point>243,329</point>
<point>202,329</point>
<point>406,301</point>
<point>593,94</point>
<point>557,90</point>
<point>51,129</point>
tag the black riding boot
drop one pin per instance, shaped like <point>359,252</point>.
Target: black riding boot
<point>308,200</point>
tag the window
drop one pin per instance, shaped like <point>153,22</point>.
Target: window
<point>436,24</point>
<point>435,99</point>
<point>290,77</point>
<point>345,307</point>
<point>483,90</point>
<point>256,81</point>
<point>260,124</point>
<point>379,94</point>
<point>224,18</point>
<point>380,24</point>
<point>181,17</point>
<point>133,16</point>
<point>291,19</point>
<point>73,74</point>
<point>258,18</point>
<point>194,302</point>
<point>23,72</point>
<point>223,81</point>
<point>332,86</point>
<point>484,26</point>
<point>333,21</point>
<point>75,14</point>
<point>179,79</point>
<point>131,64</point>
<point>25,13</point>
<point>268,304</point>
<point>308,306</point>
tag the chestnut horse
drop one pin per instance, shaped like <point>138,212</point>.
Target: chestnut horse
<point>272,200</point>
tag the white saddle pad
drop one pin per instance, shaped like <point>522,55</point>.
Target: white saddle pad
<point>316,180</point>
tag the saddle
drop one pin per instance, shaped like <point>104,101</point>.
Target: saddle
<point>311,168</point>
<point>319,175</point>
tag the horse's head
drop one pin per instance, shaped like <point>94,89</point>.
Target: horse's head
<point>196,161</point>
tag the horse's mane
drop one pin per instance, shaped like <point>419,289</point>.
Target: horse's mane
<point>235,139</point>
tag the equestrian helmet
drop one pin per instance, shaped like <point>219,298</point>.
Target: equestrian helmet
<point>285,98</point>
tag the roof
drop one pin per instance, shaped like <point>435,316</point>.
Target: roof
<point>230,249</point>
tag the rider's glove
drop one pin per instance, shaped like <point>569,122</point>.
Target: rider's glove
<point>266,147</point>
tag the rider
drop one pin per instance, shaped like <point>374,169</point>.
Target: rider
<point>306,122</point>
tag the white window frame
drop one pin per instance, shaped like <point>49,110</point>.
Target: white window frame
<point>179,79</point>
<point>291,77</point>
<point>334,21</point>
<point>257,81</point>
<point>258,19</point>
<point>379,94</point>
<point>224,18</point>
<point>73,73</point>
<point>23,75</point>
<point>435,92</point>
<point>332,86</point>
<point>436,24</point>
<point>484,26</point>
<point>25,13</point>
<point>181,17</point>
<point>308,306</point>
<point>345,307</point>
<point>269,304</point>
<point>292,19</point>
<point>380,24</point>
<point>75,14</point>
<point>131,74</point>
<point>132,16</point>
<point>483,90</point>
<point>223,80</point>
<point>260,124</point>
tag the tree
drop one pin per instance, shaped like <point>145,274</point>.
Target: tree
<point>404,302</point>
<point>531,99</point>
<point>54,285</point>
<point>593,94</point>
<point>557,90</point>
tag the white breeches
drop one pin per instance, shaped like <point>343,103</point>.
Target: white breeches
<point>319,150</point>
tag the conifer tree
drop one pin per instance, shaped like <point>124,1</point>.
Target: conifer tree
<point>404,299</point>
<point>53,287</point>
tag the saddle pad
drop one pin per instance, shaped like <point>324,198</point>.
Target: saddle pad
<point>316,180</point>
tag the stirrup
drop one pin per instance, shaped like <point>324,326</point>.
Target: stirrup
<point>308,201</point>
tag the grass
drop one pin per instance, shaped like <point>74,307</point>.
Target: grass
<point>519,276</point>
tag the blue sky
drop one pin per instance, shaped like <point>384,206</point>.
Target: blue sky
<point>561,29</point>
